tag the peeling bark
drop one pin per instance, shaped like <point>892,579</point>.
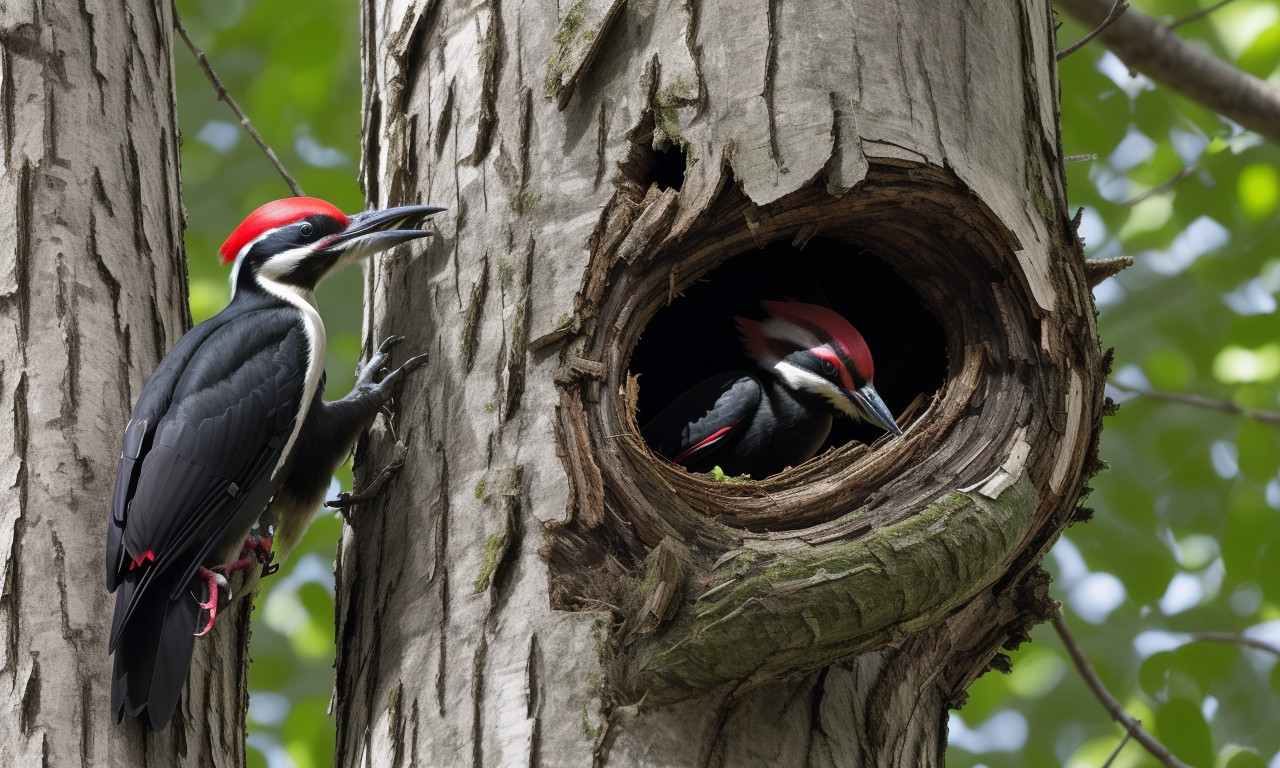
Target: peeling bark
<point>93,289</point>
<point>601,158</point>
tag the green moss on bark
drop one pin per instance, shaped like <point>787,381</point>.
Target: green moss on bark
<point>808,606</point>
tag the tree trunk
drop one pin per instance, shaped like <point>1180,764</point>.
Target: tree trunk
<point>93,291</point>
<point>537,588</point>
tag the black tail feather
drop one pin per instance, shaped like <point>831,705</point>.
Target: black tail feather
<point>152,652</point>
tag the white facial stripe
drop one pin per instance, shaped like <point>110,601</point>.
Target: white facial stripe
<point>235,268</point>
<point>281,264</point>
<point>799,379</point>
<point>305,302</point>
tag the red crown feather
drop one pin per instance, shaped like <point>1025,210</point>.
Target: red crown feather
<point>277,213</point>
<point>826,323</point>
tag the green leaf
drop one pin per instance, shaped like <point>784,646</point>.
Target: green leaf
<point>1258,187</point>
<point>1182,729</point>
<point>1153,676</point>
<point>1233,756</point>
<point>1259,447</point>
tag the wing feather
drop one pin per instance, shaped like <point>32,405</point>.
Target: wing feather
<point>697,425</point>
<point>204,469</point>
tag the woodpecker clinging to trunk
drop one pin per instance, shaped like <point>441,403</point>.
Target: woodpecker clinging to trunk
<point>231,435</point>
<point>812,363</point>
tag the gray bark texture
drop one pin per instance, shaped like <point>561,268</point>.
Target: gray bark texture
<point>93,292</point>
<point>537,588</point>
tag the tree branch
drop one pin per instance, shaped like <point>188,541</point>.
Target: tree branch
<point>1198,15</point>
<point>1117,9</point>
<point>1116,752</point>
<point>1149,47</point>
<point>1200,401</point>
<point>1239,639</point>
<point>1109,702</point>
<point>223,96</point>
<point>1177,179</point>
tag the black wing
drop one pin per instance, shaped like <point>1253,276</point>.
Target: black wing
<point>199,471</point>
<point>698,424</point>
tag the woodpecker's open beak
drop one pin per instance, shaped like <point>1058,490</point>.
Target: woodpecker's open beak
<point>873,408</point>
<point>373,231</point>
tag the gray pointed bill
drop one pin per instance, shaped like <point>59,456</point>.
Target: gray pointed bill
<point>873,408</point>
<point>369,232</point>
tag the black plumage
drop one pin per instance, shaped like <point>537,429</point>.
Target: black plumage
<point>231,438</point>
<point>211,440</point>
<point>811,364</point>
<point>734,421</point>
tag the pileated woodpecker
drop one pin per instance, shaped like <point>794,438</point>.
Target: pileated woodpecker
<point>812,363</point>
<point>231,437</point>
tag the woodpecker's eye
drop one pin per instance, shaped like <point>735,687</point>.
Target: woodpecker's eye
<point>305,230</point>
<point>828,368</point>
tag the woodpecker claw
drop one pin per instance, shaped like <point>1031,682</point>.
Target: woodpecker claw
<point>346,500</point>
<point>256,549</point>
<point>373,377</point>
<point>215,580</point>
<point>388,343</point>
<point>406,368</point>
<point>369,373</point>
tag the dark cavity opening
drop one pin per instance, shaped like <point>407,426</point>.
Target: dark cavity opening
<point>664,167</point>
<point>695,337</point>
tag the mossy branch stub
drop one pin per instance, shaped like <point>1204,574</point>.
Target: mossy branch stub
<point>790,611</point>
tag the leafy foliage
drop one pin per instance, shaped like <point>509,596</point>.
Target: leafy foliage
<point>1186,535</point>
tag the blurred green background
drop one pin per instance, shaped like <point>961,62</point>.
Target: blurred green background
<point>294,68</point>
<point>1186,536</point>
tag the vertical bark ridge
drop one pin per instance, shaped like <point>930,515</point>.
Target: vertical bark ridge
<point>115,275</point>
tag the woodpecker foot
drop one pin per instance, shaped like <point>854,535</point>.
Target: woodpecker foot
<point>373,377</point>
<point>374,383</point>
<point>216,580</point>
<point>370,373</point>
<point>257,549</point>
<point>389,471</point>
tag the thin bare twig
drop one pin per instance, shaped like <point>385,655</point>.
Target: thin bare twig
<point>1239,639</point>
<point>1109,702</point>
<point>1117,9</point>
<point>1080,158</point>
<point>223,96</point>
<point>1116,752</point>
<point>1200,401</point>
<point>1198,15</point>
<point>1181,175</point>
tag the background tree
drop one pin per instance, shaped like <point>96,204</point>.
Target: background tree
<point>92,294</point>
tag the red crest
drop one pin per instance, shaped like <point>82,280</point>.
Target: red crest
<point>277,213</point>
<point>826,323</point>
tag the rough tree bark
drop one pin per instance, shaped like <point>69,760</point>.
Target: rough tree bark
<point>93,291</point>
<point>537,588</point>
